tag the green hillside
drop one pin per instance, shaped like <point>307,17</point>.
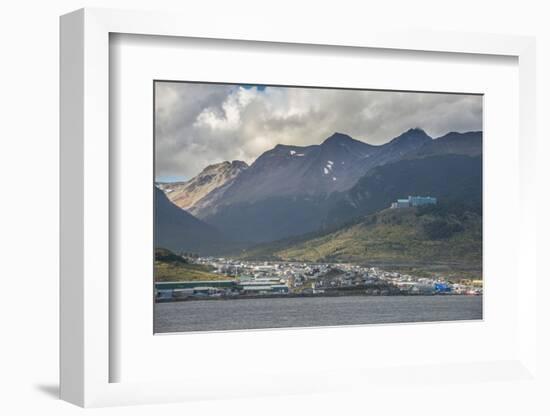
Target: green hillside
<point>170,267</point>
<point>411,236</point>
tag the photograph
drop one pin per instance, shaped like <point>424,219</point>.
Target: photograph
<point>208,203</point>
<point>303,206</point>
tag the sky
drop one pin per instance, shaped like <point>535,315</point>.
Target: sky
<point>197,125</point>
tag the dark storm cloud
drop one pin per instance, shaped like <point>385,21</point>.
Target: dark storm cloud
<point>200,124</point>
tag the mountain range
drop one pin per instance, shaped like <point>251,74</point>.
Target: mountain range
<point>293,190</point>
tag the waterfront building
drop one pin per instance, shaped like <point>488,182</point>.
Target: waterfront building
<point>264,289</point>
<point>183,289</point>
<point>225,284</point>
<point>442,287</point>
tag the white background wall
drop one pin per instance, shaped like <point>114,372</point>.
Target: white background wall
<point>29,205</point>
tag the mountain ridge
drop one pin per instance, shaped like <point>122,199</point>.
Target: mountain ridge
<point>291,190</point>
<point>288,190</point>
<point>187,194</point>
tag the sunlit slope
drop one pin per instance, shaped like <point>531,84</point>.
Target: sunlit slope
<point>409,236</point>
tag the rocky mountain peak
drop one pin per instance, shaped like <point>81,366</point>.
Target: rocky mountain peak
<point>337,137</point>
<point>239,164</point>
<point>223,166</point>
<point>185,195</point>
<point>412,135</point>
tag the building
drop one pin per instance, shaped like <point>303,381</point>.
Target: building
<point>225,284</point>
<point>214,288</point>
<point>414,201</point>
<point>401,203</point>
<point>264,289</point>
<point>417,201</point>
<point>174,290</point>
<point>441,287</point>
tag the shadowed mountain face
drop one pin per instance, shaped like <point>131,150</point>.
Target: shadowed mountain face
<point>448,168</point>
<point>301,171</point>
<point>287,190</point>
<point>467,144</point>
<point>448,177</point>
<point>333,166</point>
<point>293,190</point>
<point>177,230</point>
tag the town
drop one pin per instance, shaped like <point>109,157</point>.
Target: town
<point>252,279</point>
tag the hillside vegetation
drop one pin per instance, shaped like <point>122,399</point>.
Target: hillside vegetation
<point>169,267</point>
<point>427,235</point>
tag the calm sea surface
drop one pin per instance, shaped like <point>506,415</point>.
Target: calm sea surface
<point>214,315</point>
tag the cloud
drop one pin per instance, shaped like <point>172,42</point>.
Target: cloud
<point>200,124</point>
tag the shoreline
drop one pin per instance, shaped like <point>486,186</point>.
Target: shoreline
<point>307,295</point>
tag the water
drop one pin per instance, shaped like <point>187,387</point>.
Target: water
<point>214,315</point>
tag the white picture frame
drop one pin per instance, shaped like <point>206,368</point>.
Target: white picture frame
<point>86,355</point>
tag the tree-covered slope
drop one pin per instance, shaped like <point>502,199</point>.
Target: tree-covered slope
<point>401,236</point>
